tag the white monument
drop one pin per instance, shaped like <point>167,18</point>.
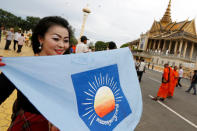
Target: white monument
<point>86,11</point>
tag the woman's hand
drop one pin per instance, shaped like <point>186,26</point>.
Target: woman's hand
<point>1,63</point>
<point>52,127</point>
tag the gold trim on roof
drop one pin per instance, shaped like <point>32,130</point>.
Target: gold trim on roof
<point>167,16</point>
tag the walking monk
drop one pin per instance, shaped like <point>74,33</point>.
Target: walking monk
<point>173,82</point>
<point>163,90</point>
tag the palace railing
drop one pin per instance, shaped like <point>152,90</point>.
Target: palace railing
<point>150,54</point>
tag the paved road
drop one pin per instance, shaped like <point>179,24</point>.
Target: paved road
<point>176,114</point>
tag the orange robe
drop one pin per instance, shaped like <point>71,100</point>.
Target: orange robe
<point>170,85</point>
<point>173,82</point>
<point>163,90</point>
<point>74,48</point>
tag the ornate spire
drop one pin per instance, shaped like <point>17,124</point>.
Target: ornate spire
<point>167,16</point>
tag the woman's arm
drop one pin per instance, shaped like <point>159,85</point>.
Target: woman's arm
<point>6,88</point>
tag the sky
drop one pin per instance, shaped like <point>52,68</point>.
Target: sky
<point>120,21</point>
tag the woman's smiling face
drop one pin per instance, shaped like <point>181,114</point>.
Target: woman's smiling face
<point>55,41</point>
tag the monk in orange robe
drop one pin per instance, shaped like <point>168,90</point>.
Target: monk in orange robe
<point>173,82</point>
<point>171,79</point>
<point>163,90</point>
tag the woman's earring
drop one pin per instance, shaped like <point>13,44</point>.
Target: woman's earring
<point>40,47</point>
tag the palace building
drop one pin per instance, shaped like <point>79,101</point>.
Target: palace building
<point>169,42</point>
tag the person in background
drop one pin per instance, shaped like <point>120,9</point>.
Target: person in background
<point>141,70</point>
<point>137,64</point>
<point>9,38</point>
<point>167,52</point>
<point>73,48</point>
<point>112,45</point>
<point>70,50</point>
<point>153,66</point>
<point>148,65</point>
<point>17,34</point>
<point>82,47</point>
<point>163,89</point>
<point>180,77</point>
<point>173,81</point>
<point>21,41</point>
<point>93,49</point>
<point>193,83</point>
<point>26,40</point>
<point>50,37</point>
<point>0,32</point>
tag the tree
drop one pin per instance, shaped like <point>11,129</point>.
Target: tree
<point>73,40</point>
<point>100,45</point>
<point>32,21</point>
<point>9,20</point>
<point>125,45</point>
<point>24,25</point>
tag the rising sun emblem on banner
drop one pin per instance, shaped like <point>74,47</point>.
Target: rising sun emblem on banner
<point>101,102</point>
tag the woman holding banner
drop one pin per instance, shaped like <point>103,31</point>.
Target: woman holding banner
<point>50,37</point>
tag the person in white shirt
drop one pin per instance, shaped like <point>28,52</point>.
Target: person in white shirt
<point>137,64</point>
<point>16,36</point>
<point>82,47</point>
<point>159,52</point>
<point>9,38</point>
<point>180,77</point>
<point>21,41</point>
<point>167,51</point>
<point>1,30</point>
<point>141,70</point>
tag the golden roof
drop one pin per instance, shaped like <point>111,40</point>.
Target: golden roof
<point>177,26</point>
<point>186,26</point>
<point>167,16</point>
<point>166,26</point>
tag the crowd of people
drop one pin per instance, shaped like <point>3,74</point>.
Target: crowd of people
<point>140,66</point>
<point>83,48</point>
<point>171,78</point>
<point>168,83</point>
<point>18,38</point>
